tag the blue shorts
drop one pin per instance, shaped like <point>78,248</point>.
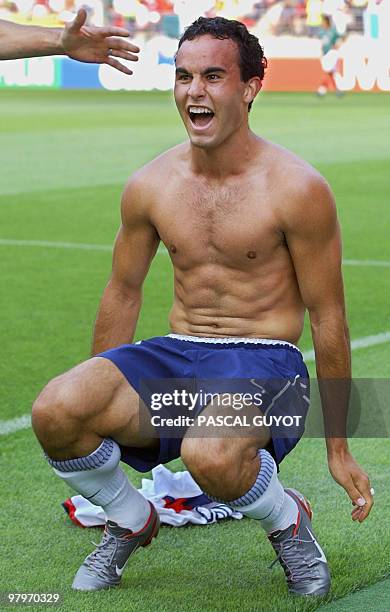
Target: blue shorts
<point>274,366</point>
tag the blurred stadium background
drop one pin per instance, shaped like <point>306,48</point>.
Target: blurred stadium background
<point>290,31</point>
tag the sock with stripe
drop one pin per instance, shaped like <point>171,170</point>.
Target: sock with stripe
<point>98,478</point>
<point>266,501</point>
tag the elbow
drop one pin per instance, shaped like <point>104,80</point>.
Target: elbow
<point>332,318</point>
<point>129,294</point>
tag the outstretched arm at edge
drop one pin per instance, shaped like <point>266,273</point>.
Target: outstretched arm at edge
<point>78,41</point>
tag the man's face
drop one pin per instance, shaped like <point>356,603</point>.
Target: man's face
<point>209,92</point>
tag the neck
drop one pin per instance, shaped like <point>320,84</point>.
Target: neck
<point>229,158</point>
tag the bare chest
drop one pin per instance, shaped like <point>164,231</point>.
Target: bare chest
<point>229,224</point>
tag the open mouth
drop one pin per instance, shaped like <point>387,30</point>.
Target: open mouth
<point>200,116</point>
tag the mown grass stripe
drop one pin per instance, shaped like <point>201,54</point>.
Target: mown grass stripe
<point>376,596</point>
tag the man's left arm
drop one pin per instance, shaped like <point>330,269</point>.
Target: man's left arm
<point>313,237</point>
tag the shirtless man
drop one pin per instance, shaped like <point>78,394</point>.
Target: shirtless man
<point>254,241</point>
<point>77,41</point>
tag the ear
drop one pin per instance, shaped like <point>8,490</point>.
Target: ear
<point>252,88</point>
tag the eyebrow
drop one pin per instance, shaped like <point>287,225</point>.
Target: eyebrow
<point>209,70</point>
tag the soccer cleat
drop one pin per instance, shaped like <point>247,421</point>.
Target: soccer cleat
<point>299,553</point>
<point>103,568</point>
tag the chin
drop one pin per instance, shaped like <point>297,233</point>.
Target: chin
<point>203,142</point>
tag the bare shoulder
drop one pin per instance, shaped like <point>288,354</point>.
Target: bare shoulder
<point>304,198</point>
<point>143,189</point>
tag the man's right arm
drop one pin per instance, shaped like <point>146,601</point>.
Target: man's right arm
<point>77,40</point>
<point>135,246</point>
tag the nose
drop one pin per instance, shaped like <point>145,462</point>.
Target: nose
<point>196,89</point>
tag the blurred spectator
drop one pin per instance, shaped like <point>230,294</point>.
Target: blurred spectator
<point>188,11</point>
<point>163,7</point>
<point>268,23</point>
<point>377,20</point>
<point>95,11</point>
<point>330,38</point>
<point>313,16</point>
<point>339,12</point>
<point>170,25</point>
<point>300,18</point>
<point>137,13</point>
<point>286,19</point>
<point>24,6</point>
<point>234,9</point>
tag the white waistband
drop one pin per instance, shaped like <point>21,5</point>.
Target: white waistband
<point>233,340</point>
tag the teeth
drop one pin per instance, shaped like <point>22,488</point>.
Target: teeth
<point>200,110</point>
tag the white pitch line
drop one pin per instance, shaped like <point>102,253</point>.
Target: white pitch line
<point>7,427</point>
<point>367,262</point>
<point>24,422</point>
<point>359,343</point>
<point>56,245</point>
<point>161,250</point>
<point>76,246</point>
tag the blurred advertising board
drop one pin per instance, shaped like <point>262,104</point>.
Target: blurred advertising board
<point>294,65</point>
<point>32,72</point>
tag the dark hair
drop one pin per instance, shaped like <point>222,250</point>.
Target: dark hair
<point>252,61</point>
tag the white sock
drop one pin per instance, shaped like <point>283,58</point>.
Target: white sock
<point>275,510</point>
<point>99,479</point>
<point>266,501</point>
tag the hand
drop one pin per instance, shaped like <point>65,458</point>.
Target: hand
<point>355,481</point>
<point>97,45</point>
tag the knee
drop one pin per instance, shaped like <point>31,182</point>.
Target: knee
<point>220,467</point>
<point>53,411</point>
<point>203,461</point>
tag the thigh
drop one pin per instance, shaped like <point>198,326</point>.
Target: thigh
<point>96,394</point>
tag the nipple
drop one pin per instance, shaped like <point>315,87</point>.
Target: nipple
<point>251,255</point>
<point>172,248</point>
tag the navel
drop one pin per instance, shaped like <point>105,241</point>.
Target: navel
<point>172,248</point>
<point>251,255</point>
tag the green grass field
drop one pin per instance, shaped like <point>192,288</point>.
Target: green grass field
<point>65,157</point>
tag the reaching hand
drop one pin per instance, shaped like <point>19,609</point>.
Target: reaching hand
<point>97,45</point>
<point>355,481</point>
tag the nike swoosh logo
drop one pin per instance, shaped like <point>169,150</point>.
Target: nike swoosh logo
<point>318,547</point>
<point>119,570</point>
